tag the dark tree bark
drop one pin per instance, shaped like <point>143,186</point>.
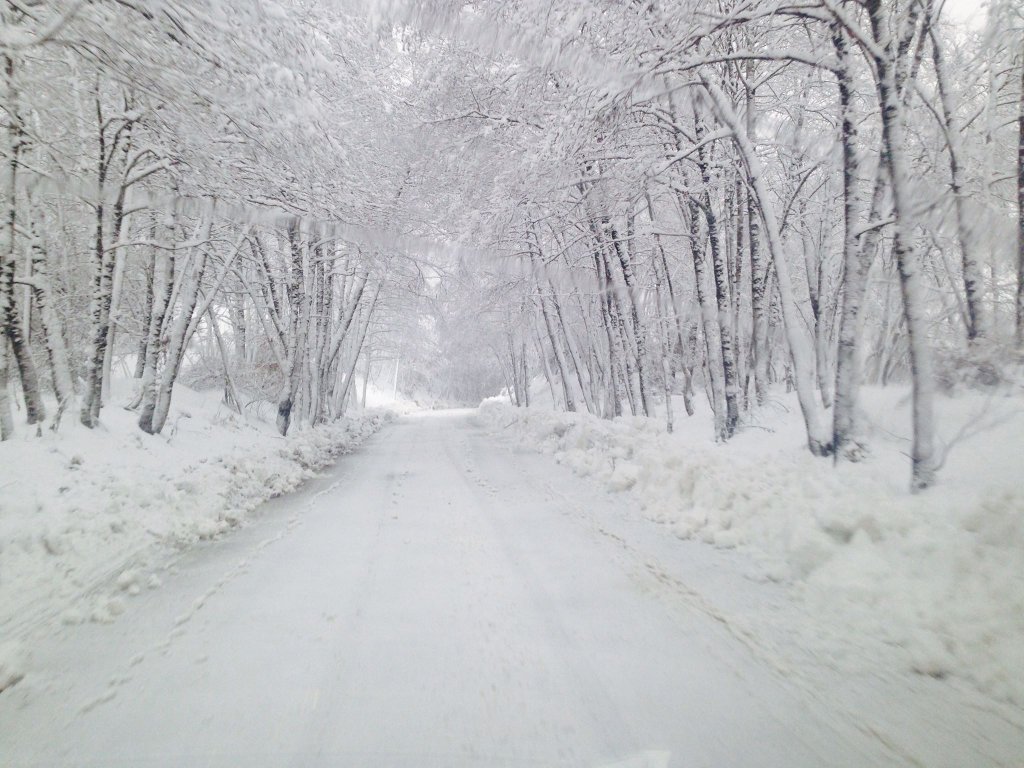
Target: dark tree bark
<point>1020,210</point>
<point>908,261</point>
<point>719,271</point>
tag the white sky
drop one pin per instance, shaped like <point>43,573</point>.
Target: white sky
<point>967,12</point>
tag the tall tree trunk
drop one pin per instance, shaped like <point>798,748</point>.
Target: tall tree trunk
<point>56,350</point>
<point>10,316</point>
<point>1020,209</point>
<point>9,185</point>
<point>321,328</point>
<point>35,411</point>
<point>570,404</point>
<point>571,347</point>
<point>908,261</point>
<point>101,267</point>
<point>6,416</point>
<point>818,434</point>
<point>297,330</point>
<point>760,303</point>
<point>366,377</point>
<point>976,318</point>
<point>618,322</point>
<point>639,331</point>
<point>149,275</point>
<point>855,268</point>
<point>677,321</point>
<point>760,294</point>
<point>156,402</point>
<point>739,291</point>
<point>710,319</point>
<point>666,355</point>
<point>526,371</point>
<point>544,364</point>
<point>116,265</point>
<point>540,277</point>
<point>719,271</point>
<point>163,276</point>
<point>604,303</point>
<point>358,346</point>
<point>231,396</point>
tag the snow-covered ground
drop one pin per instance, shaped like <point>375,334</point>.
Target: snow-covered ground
<point>87,516</point>
<point>446,597</point>
<point>932,582</point>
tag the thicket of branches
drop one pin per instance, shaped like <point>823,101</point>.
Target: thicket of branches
<point>651,199</point>
<point>723,196</point>
<point>206,186</point>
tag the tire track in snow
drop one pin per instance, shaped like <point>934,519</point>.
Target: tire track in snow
<point>643,565</point>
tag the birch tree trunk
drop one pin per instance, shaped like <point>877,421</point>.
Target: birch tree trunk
<point>156,401</point>
<point>10,316</point>
<point>618,323</point>
<point>719,271</point>
<point>760,303</point>
<point>760,294</point>
<point>639,331</point>
<point>35,411</point>
<point>818,435</point>
<point>296,331</point>
<point>8,182</point>
<point>358,346</point>
<point>673,306</point>
<point>666,356</point>
<point>116,263</point>
<point>855,270</point>
<point>976,317</point>
<point>102,268</point>
<point>604,303</point>
<point>1020,209</point>
<point>908,261</point>
<point>231,396</point>
<point>544,364</point>
<point>163,276</point>
<point>710,318</point>
<point>6,416</point>
<point>149,275</point>
<point>56,350</point>
<point>570,404</point>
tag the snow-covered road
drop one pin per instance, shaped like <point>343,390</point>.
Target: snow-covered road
<point>443,599</point>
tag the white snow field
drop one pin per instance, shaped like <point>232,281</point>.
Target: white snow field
<point>445,597</point>
<point>87,516</point>
<point>935,578</point>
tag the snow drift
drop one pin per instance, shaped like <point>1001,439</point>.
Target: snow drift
<point>84,512</point>
<point>937,576</point>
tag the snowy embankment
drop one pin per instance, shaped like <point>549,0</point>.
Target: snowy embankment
<point>84,514</point>
<point>937,578</point>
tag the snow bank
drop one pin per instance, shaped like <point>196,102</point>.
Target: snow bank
<point>939,576</point>
<point>82,512</point>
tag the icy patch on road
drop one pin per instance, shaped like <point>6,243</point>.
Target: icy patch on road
<point>937,576</point>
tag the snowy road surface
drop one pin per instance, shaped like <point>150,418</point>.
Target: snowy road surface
<point>443,599</point>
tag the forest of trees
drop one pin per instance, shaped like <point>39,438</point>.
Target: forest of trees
<point>634,200</point>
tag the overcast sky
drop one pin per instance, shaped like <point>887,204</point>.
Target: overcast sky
<point>969,12</point>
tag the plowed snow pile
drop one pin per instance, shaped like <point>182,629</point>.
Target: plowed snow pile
<point>82,511</point>
<point>938,576</point>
